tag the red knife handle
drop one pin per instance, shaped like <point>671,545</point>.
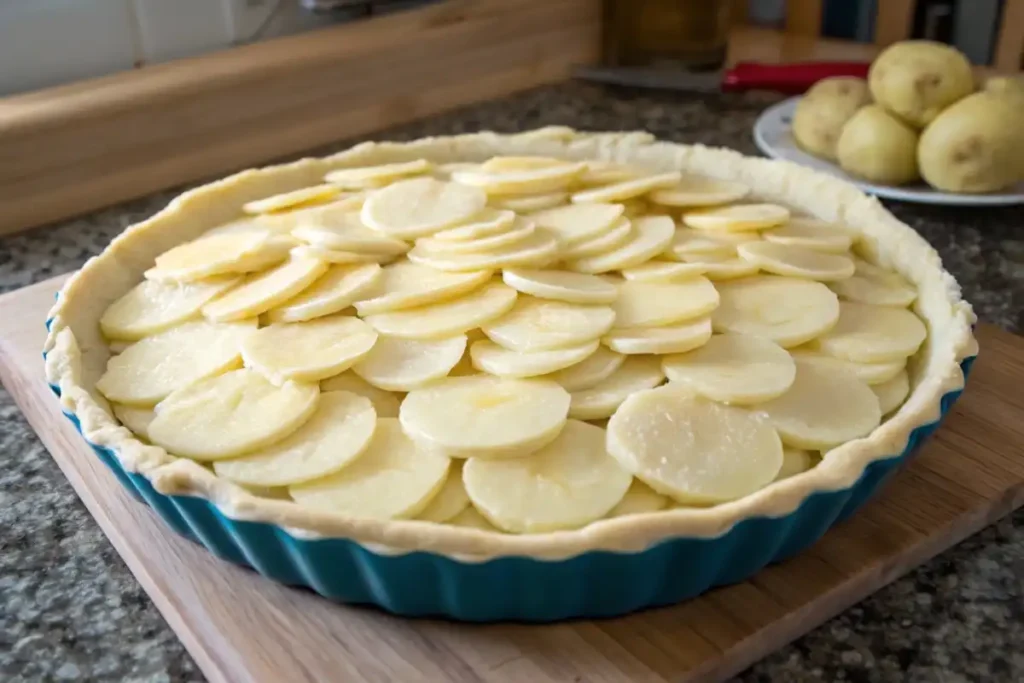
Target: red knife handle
<point>792,79</point>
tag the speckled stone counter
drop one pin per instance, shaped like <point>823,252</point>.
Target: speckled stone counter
<point>71,611</point>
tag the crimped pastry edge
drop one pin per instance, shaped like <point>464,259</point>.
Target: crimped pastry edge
<point>76,353</point>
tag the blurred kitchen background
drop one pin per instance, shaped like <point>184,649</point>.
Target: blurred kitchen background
<point>50,42</point>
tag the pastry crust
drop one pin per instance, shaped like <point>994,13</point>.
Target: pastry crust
<point>76,353</point>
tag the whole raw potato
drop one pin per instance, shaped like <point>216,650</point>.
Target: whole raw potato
<point>977,145</point>
<point>1010,86</point>
<point>917,79</point>
<point>824,109</point>
<point>878,147</point>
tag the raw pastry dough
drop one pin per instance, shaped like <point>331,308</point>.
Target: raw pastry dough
<point>650,304</point>
<point>483,416</point>
<point>447,318</point>
<point>395,478</point>
<point>568,483</point>
<point>794,261</point>
<point>538,324</point>
<point>227,415</point>
<point>308,351</point>
<point>337,433</point>
<point>155,306</point>
<point>674,338</point>
<point>288,200</point>
<point>560,285</point>
<point>406,364</point>
<point>636,374</point>
<point>418,207</point>
<point>734,368</point>
<point>873,334</point>
<point>493,359</point>
<point>786,310</point>
<point>267,290</point>
<point>692,449</point>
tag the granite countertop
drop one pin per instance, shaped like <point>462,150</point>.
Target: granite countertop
<point>71,611</point>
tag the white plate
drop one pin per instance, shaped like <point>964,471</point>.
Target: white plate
<point>773,135</point>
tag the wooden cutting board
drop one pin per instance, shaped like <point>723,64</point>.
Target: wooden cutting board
<point>241,627</point>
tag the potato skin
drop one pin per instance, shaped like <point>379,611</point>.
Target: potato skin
<point>878,147</point>
<point>1007,86</point>
<point>824,109</point>
<point>976,145</point>
<point>917,79</point>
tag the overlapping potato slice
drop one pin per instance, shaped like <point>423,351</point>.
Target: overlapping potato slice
<point>134,418</point>
<point>470,518</point>
<point>718,267</point>
<point>267,290</point>
<point>224,254</point>
<point>447,318</point>
<point>517,233</point>
<point>529,202</point>
<point>344,231</point>
<point>650,304</point>
<point>607,173</point>
<point>663,271</point>
<point>873,285</point>
<point>692,449</point>
<point>338,256</point>
<point>825,406</point>
<point>601,400</point>
<point>385,403</point>
<point>688,242</point>
<point>154,306</point>
<point>535,251</point>
<point>560,285</point>
<point>794,461</point>
<point>228,415</point>
<point>418,207</point>
<point>335,290</point>
<point>651,236</point>
<point>617,235</point>
<point>337,433</point>
<point>892,393</point>
<point>288,200</point>
<point>737,217</point>
<point>483,416</point>
<point>672,338</point>
<point>734,368</point>
<point>866,333</point>
<point>578,223</point>
<point>450,501</point>
<point>365,177</point>
<point>399,364</point>
<point>406,285</point>
<point>149,370</point>
<point>488,222</point>
<point>811,234</point>
<point>694,190</point>
<point>568,483</point>
<point>308,351</point>
<point>786,310</point>
<point>869,373</point>
<point>794,261</point>
<point>639,498</point>
<point>540,178</point>
<point>590,371</point>
<point>394,478</point>
<point>627,189</point>
<point>501,362</point>
<point>540,324</point>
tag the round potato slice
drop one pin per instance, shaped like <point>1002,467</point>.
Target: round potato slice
<point>811,234</point>
<point>734,368</point>
<point>336,290</point>
<point>450,501</point>
<point>288,200</point>
<point>535,180</point>
<point>231,414</point>
<point>385,403</point>
<point>569,483</point>
<point>717,267</point>
<point>447,318</point>
<point>892,393</point>
<point>134,418</point>
<point>663,271</point>
<point>692,449</point>
<point>560,285</point>
<point>491,358</point>
<point>268,290</point>
<point>873,334</point>
<point>535,251</point>
<point>337,433</point>
<point>637,373</point>
<point>530,202</point>
<point>375,176</point>
<point>738,217</point>
<point>223,254</point>
<point>590,371</point>
<point>627,189</point>
<point>394,478</point>
<point>873,285</point>
<point>639,498</point>
<point>694,190</point>
<point>786,310</point>
<point>674,338</point>
<point>825,407</point>
<point>869,373</point>
<point>652,235</point>
<point>651,304</point>
<point>617,235</point>
<point>794,461</point>
<point>539,324</point>
<point>344,231</point>
<point>155,306</point>
<point>470,518</point>
<point>406,364</point>
<point>308,351</point>
<point>517,233</point>
<point>486,417</point>
<point>406,285</point>
<point>149,370</point>
<point>607,173</point>
<point>578,223</point>
<point>418,207</point>
<point>794,261</point>
<point>486,223</point>
<point>688,242</point>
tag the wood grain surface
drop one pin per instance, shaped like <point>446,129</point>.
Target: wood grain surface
<point>243,628</point>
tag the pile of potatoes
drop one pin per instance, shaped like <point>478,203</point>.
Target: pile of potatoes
<point>918,116</point>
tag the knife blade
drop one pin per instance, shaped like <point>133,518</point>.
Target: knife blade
<point>791,79</point>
